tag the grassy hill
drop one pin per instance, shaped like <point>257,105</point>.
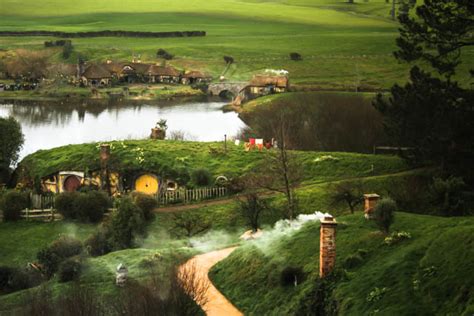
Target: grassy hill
<point>429,274</point>
<point>176,159</point>
<point>339,45</point>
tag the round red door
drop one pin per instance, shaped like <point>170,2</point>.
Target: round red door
<point>72,183</point>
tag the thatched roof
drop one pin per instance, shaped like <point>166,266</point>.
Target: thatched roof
<point>113,67</point>
<point>263,81</point>
<point>195,74</point>
<point>95,71</point>
<point>138,68</point>
<point>155,70</point>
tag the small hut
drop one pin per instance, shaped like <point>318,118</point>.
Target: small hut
<point>163,74</point>
<point>194,77</point>
<point>96,76</point>
<point>264,84</point>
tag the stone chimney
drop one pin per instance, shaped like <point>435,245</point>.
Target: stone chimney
<point>327,246</point>
<point>104,153</point>
<point>370,201</point>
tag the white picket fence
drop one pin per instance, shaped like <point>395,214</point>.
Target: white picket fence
<point>188,196</point>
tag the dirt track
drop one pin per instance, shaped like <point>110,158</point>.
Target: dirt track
<point>217,304</point>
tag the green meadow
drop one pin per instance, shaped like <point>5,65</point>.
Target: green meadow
<point>342,45</point>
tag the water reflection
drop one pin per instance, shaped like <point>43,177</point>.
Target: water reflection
<point>47,125</point>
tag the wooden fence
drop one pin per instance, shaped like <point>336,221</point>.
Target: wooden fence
<point>40,202</point>
<point>188,196</point>
<point>44,214</point>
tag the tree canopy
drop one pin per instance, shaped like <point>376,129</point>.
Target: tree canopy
<point>434,114</point>
<point>11,142</point>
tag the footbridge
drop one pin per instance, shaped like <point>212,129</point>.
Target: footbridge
<point>221,88</point>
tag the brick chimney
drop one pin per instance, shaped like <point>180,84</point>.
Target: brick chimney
<point>327,246</point>
<point>370,201</point>
<point>104,152</point>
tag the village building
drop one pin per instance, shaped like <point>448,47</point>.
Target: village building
<point>71,181</point>
<point>263,85</point>
<point>96,76</point>
<point>195,77</point>
<point>134,72</point>
<point>163,74</point>
<point>114,68</point>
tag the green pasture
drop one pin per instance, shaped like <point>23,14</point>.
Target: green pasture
<point>339,46</point>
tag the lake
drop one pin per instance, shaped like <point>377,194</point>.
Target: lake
<point>47,125</point>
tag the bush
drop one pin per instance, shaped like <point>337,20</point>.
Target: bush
<point>228,59</point>
<point>291,276</point>
<point>296,56</point>
<point>64,204</point>
<point>352,261</point>
<point>98,243</point>
<point>127,224</point>
<point>14,279</point>
<point>91,206</point>
<point>13,203</point>
<point>164,54</point>
<point>69,270</point>
<point>384,214</point>
<point>56,252</point>
<point>146,203</point>
<point>201,177</point>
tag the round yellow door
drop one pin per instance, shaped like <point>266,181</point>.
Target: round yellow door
<point>147,184</point>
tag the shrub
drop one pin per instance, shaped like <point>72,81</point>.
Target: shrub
<point>56,252</point>
<point>384,214</point>
<point>14,279</point>
<point>13,203</point>
<point>228,60</point>
<point>64,204</point>
<point>91,206</point>
<point>146,203</point>
<point>291,276</point>
<point>98,243</point>
<point>201,177</point>
<point>352,261</point>
<point>69,270</point>
<point>296,56</point>
<point>164,54</point>
<point>127,224</point>
<point>447,195</point>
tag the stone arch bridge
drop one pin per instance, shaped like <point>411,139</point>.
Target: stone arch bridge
<point>221,88</point>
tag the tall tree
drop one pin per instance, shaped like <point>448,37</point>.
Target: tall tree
<point>11,142</point>
<point>434,114</point>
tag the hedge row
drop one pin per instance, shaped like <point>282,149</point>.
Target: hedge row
<point>106,33</point>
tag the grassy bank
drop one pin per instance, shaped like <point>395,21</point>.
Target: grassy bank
<point>419,275</point>
<point>176,159</point>
<point>137,92</point>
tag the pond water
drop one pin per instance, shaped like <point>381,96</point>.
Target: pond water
<point>51,125</point>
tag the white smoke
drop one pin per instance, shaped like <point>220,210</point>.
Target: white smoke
<point>212,240</point>
<point>285,228</point>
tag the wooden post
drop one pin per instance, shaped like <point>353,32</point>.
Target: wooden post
<point>327,246</point>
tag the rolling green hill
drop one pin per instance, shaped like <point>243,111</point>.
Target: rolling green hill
<point>429,274</point>
<point>338,45</point>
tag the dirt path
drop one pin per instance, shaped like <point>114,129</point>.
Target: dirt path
<point>217,304</point>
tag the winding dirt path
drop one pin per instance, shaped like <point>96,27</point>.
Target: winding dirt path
<point>217,304</point>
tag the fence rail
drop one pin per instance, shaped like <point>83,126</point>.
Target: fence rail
<point>188,196</point>
<point>44,214</point>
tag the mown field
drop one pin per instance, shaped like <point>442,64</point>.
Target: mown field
<point>342,45</point>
